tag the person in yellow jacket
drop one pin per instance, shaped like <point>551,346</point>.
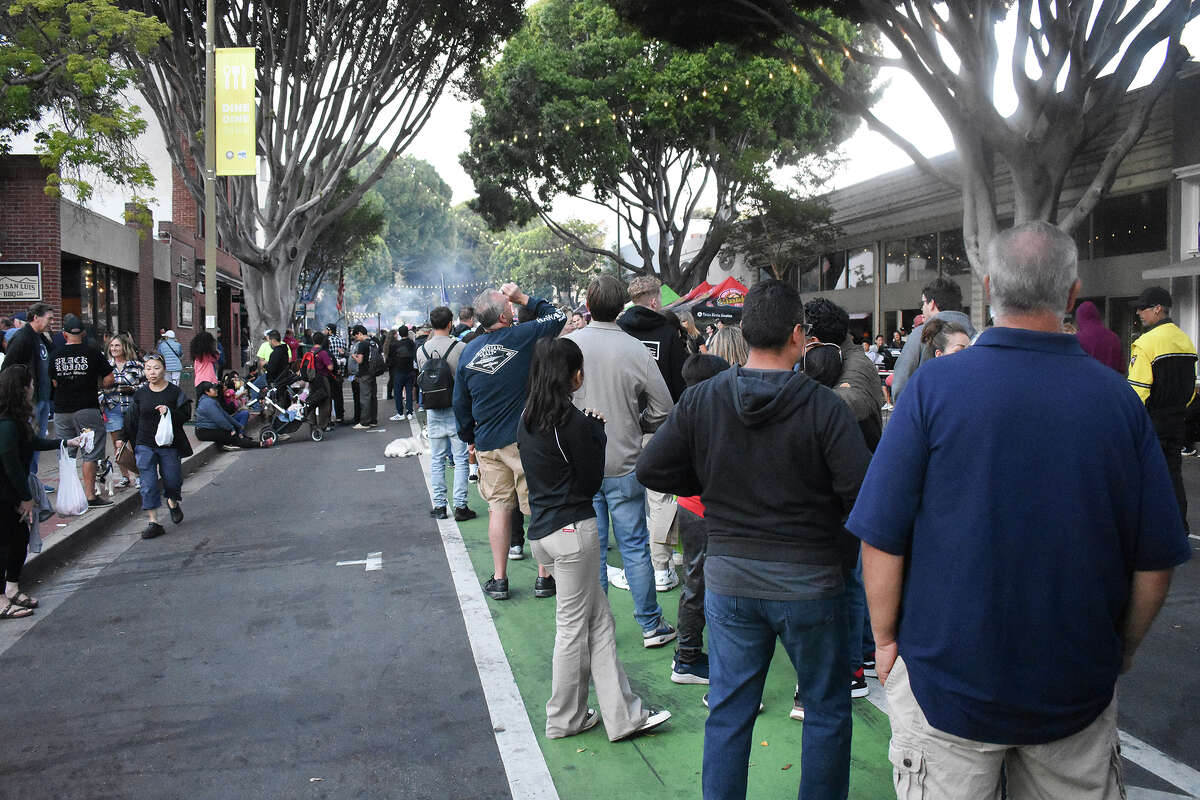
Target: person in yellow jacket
<point>1162,370</point>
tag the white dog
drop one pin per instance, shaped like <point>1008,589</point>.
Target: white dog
<point>402,448</point>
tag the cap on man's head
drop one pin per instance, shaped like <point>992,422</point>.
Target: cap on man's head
<point>72,324</point>
<point>1153,296</point>
<point>21,315</point>
<point>169,334</point>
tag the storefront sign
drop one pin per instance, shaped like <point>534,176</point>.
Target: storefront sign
<point>235,111</point>
<point>186,309</point>
<point>20,280</point>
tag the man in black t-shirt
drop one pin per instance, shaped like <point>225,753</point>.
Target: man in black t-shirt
<point>368,401</point>
<point>78,371</point>
<point>277,363</point>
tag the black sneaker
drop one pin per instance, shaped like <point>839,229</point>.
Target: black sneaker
<point>99,502</point>
<point>462,514</point>
<point>869,665</point>
<point>657,717</point>
<point>153,531</point>
<point>695,673</point>
<point>438,512</point>
<point>473,477</point>
<point>496,588</point>
<point>176,513</point>
<point>659,636</point>
<point>858,684</point>
<point>544,587</point>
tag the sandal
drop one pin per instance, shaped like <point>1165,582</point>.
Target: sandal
<point>23,600</point>
<point>13,611</point>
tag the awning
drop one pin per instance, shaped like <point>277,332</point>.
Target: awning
<point>1180,269</point>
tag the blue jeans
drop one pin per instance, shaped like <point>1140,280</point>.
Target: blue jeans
<point>443,440</point>
<point>405,386</point>
<point>741,642</point>
<point>241,418</point>
<point>41,421</point>
<point>861,640</point>
<point>624,499</point>
<point>150,462</point>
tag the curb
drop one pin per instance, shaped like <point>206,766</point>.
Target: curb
<point>55,554</point>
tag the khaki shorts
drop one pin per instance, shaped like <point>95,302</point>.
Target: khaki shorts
<point>502,479</point>
<point>933,765</point>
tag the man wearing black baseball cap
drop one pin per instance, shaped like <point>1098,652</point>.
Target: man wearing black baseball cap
<point>78,371</point>
<point>1162,370</point>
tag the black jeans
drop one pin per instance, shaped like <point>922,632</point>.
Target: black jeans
<point>16,543</point>
<point>693,534</point>
<point>354,400</point>
<point>368,401</point>
<point>517,537</point>
<point>1170,447</point>
<point>339,398</point>
<point>404,386</point>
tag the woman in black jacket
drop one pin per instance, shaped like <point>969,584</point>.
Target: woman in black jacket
<point>562,452</point>
<point>17,444</point>
<point>150,403</point>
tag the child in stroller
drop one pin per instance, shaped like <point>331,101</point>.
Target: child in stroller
<point>289,406</point>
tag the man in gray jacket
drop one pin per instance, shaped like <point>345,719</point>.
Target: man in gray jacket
<point>941,297</point>
<point>623,383</point>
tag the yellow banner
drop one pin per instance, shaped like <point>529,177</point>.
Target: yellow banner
<point>235,111</point>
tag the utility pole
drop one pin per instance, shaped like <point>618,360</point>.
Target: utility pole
<point>210,167</point>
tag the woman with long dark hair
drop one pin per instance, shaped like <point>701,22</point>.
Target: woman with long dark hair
<point>150,403</point>
<point>205,356</point>
<point>562,453</point>
<point>17,443</point>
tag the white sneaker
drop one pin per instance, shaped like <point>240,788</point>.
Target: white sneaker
<point>410,416</point>
<point>665,579</point>
<point>616,578</point>
<point>395,417</point>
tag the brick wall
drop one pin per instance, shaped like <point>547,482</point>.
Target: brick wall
<point>29,227</point>
<point>143,314</point>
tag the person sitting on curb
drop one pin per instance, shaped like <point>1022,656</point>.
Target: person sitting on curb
<point>215,424</point>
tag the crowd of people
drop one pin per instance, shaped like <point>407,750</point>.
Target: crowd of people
<point>947,553</point>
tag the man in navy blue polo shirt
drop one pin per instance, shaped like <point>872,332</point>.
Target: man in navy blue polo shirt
<point>1011,570</point>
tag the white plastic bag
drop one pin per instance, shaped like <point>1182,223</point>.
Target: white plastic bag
<point>70,500</point>
<point>166,431</point>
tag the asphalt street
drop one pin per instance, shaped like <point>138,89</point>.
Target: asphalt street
<point>233,658</point>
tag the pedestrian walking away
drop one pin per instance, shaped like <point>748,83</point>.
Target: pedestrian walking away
<point>489,396</point>
<point>965,522</point>
<point>562,452</point>
<point>777,551</point>
<point>159,454</point>
<point>437,361</point>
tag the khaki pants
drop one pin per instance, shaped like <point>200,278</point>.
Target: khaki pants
<point>928,764</point>
<point>502,479</point>
<point>585,646</point>
<point>660,519</point>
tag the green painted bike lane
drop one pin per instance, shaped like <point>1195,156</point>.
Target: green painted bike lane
<point>664,764</point>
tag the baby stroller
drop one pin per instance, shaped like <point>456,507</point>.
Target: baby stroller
<point>287,411</point>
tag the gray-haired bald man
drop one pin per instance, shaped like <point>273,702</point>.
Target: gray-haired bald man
<point>1011,571</point>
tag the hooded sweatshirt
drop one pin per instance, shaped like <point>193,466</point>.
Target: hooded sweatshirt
<point>776,458</point>
<point>662,341</point>
<point>1098,341</point>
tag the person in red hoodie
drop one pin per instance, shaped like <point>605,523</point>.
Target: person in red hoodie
<point>1098,341</point>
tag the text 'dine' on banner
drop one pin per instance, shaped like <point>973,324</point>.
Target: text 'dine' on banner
<point>235,111</point>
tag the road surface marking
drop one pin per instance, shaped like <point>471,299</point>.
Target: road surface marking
<point>524,765</point>
<point>373,562</point>
<point>376,468</point>
<point>1134,750</point>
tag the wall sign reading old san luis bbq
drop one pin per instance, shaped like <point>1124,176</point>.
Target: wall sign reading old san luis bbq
<point>20,280</point>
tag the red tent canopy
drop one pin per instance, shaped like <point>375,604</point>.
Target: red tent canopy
<point>729,292</point>
<point>695,294</point>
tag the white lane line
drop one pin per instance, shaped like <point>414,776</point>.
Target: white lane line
<point>1138,793</point>
<point>376,468</point>
<point>525,766</point>
<point>1135,750</point>
<point>1194,536</point>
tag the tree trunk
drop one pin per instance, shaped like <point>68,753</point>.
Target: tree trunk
<point>271,296</point>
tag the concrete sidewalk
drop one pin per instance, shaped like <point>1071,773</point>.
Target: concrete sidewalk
<point>63,537</point>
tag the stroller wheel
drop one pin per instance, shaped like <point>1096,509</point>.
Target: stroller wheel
<point>266,436</point>
<point>316,433</point>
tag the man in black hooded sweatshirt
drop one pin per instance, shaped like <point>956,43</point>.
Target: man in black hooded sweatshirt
<point>643,322</point>
<point>777,460</point>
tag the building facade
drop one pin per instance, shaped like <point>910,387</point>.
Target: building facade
<point>117,277</point>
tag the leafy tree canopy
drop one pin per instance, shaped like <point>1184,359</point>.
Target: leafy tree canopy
<point>536,260</point>
<point>60,77</point>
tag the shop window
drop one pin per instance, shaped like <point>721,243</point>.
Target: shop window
<point>922,258</point>
<point>833,270</point>
<point>809,277</point>
<point>895,262</point>
<point>1132,223</point>
<point>860,267</point>
<point>952,255</point>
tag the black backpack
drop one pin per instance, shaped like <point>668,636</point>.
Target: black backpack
<point>377,364</point>
<point>436,379</point>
